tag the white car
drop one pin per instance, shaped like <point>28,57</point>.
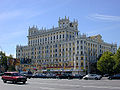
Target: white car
<point>92,76</point>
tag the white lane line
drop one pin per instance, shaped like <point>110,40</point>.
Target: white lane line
<point>57,84</point>
<point>107,87</point>
<point>28,86</point>
<point>46,88</point>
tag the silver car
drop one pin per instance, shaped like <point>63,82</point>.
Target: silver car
<point>92,76</point>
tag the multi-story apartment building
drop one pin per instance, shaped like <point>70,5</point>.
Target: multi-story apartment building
<point>62,48</point>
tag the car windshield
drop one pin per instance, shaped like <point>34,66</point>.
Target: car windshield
<point>16,74</point>
<point>11,74</point>
<point>118,75</point>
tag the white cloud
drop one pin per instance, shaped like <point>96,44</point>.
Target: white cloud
<point>10,36</point>
<point>10,14</point>
<point>104,17</point>
<point>23,14</point>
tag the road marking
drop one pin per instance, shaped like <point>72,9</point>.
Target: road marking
<point>108,87</point>
<point>56,84</point>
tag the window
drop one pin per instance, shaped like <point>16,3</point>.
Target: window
<point>69,44</point>
<point>70,36</point>
<point>59,45</point>
<point>55,50</point>
<point>56,45</point>
<point>63,35</point>
<point>81,58</point>
<point>71,25</point>
<point>81,63</point>
<point>59,50</point>
<point>73,48</point>
<point>66,49</point>
<point>76,58</point>
<point>81,52</point>
<point>45,39</point>
<point>81,42</point>
<point>55,55</point>
<point>67,36</point>
<point>81,47</point>
<point>60,36</point>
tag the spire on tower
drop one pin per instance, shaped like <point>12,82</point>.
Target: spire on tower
<point>59,18</point>
<point>29,27</point>
<point>65,17</point>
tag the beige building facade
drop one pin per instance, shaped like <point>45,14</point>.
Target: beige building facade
<point>62,48</point>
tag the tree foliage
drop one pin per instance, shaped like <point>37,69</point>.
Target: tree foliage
<point>106,63</point>
<point>11,68</point>
<point>4,61</point>
<point>117,60</point>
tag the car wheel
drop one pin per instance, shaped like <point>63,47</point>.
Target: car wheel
<point>86,78</point>
<point>96,78</point>
<point>4,81</point>
<point>24,82</point>
<point>29,77</point>
<point>110,78</point>
<point>14,82</point>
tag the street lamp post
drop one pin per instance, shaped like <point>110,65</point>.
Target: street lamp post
<point>88,59</point>
<point>74,63</point>
<point>0,62</point>
<point>79,62</point>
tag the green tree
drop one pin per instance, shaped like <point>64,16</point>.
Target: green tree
<point>117,60</point>
<point>3,60</point>
<point>106,63</point>
<point>11,68</point>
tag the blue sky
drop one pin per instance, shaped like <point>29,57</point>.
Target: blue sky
<point>94,17</point>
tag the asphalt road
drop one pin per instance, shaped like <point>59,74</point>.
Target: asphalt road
<point>56,84</point>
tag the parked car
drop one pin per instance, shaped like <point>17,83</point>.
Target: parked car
<point>28,74</point>
<point>50,75</point>
<point>92,76</point>
<point>1,74</point>
<point>77,76</point>
<point>65,76</point>
<point>23,73</point>
<point>39,75</point>
<point>105,75</point>
<point>117,76</point>
<point>14,77</point>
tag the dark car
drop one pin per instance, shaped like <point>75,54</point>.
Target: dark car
<point>14,77</point>
<point>51,75</point>
<point>117,76</point>
<point>105,75</point>
<point>1,74</point>
<point>39,75</point>
<point>77,76</point>
<point>23,73</point>
<point>28,74</point>
<point>65,76</point>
